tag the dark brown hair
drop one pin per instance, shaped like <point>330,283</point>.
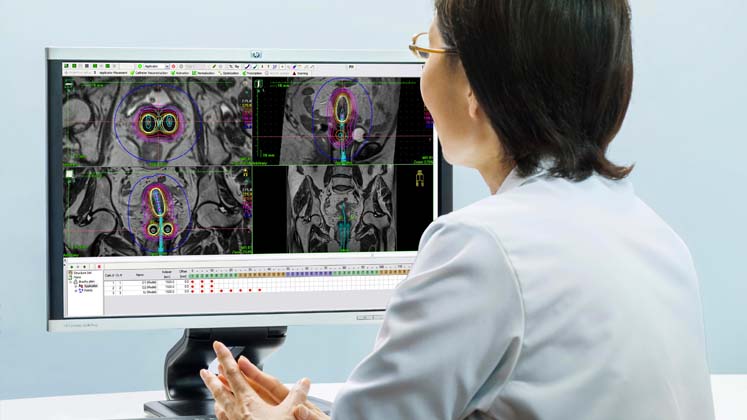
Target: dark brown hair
<point>553,76</point>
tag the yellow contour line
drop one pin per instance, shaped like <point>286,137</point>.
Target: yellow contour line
<point>163,198</point>
<point>347,114</point>
<point>176,123</point>
<point>142,117</point>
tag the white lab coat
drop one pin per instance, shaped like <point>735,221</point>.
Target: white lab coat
<point>551,299</point>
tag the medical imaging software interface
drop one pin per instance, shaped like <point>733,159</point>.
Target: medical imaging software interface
<point>226,188</point>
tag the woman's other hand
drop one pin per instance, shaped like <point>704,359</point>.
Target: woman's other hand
<point>258,394</point>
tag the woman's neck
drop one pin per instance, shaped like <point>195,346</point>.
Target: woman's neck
<point>494,174</point>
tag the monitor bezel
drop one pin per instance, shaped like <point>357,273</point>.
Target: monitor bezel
<point>54,57</point>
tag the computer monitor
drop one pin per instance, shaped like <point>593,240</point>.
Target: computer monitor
<point>220,189</point>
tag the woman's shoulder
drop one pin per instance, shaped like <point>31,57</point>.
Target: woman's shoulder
<point>558,217</point>
<point>541,208</point>
<point>469,253</point>
<point>542,198</point>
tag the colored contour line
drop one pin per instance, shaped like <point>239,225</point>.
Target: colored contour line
<point>163,202</point>
<point>155,127</point>
<point>176,123</point>
<point>347,106</point>
<point>160,234</point>
<point>147,230</point>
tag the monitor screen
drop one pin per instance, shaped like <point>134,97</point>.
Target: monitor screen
<point>199,188</point>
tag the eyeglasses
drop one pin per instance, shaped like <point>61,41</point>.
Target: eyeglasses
<point>423,52</point>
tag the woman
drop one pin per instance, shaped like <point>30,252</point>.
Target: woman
<point>562,295</point>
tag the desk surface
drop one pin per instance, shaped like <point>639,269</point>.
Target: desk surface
<point>729,395</point>
<point>123,405</point>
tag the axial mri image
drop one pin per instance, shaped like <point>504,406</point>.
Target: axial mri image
<point>329,120</point>
<point>119,122</point>
<point>179,210</point>
<point>341,208</point>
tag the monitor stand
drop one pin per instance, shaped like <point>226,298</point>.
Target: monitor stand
<point>187,394</point>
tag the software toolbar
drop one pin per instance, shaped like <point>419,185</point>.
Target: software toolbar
<point>124,69</point>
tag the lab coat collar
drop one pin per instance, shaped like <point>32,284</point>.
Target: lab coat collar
<point>514,179</point>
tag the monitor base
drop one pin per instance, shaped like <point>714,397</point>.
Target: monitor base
<point>206,407</point>
<point>186,393</point>
<point>178,408</point>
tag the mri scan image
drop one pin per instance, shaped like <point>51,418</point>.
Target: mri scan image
<point>348,120</point>
<point>341,208</point>
<point>168,211</point>
<point>144,121</point>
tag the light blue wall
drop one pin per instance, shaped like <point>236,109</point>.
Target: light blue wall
<point>685,132</point>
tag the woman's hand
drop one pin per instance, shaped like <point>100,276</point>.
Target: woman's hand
<point>243,391</point>
<point>271,390</point>
<point>267,387</point>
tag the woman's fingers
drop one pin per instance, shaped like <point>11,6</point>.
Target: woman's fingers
<point>261,392</point>
<point>303,412</point>
<point>222,377</point>
<point>233,374</point>
<point>267,395</point>
<point>221,395</point>
<point>220,413</point>
<point>298,394</point>
<point>263,380</point>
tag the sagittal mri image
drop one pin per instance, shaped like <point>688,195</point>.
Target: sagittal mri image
<point>341,208</point>
<point>169,211</point>
<point>349,120</point>
<point>134,121</point>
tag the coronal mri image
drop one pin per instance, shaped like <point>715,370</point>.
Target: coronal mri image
<point>341,208</point>
<point>171,211</point>
<point>134,121</point>
<point>349,120</point>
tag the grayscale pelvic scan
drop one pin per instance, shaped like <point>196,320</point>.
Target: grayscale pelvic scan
<point>181,210</point>
<point>340,120</point>
<point>126,122</point>
<point>341,208</point>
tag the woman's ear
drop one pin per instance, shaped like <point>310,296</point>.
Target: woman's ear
<point>473,106</point>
